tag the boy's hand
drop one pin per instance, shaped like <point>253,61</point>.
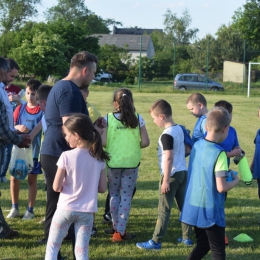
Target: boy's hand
<point>22,128</point>
<point>236,151</point>
<point>165,187</point>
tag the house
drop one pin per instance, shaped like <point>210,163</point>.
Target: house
<point>131,42</point>
<point>134,31</point>
<point>234,71</point>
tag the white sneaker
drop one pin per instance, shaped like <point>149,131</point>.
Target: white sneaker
<point>14,213</point>
<point>4,179</point>
<point>42,221</point>
<point>28,215</point>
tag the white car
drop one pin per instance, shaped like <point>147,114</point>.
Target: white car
<point>103,77</point>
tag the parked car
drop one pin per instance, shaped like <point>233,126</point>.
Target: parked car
<point>187,81</point>
<point>103,76</point>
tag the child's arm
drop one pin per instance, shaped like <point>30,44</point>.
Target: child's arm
<point>36,130</point>
<point>104,137</point>
<point>58,181</point>
<point>102,186</point>
<point>236,151</point>
<point>22,128</point>
<point>252,164</point>
<point>145,141</point>
<point>167,168</point>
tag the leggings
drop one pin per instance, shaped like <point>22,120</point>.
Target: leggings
<point>121,186</point>
<point>61,222</point>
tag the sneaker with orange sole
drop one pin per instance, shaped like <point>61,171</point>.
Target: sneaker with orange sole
<point>117,237</point>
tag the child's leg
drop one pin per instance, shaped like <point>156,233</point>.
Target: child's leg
<point>202,247</point>
<point>164,209</point>
<point>114,182</point>
<point>258,183</point>
<point>128,182</point>
<point>32,187</point>
<point>14,189</point>
<point>83,228</point>
<point>60,224</point>
<point>179,200</point>
<point>216,239</point>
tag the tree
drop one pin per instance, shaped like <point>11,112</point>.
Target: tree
<point>177,29</point>
<point>14,13</point>
<point>247,21</point>
<point>42,56</point>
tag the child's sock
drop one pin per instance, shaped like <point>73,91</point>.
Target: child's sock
<point>15,206</point>
<point>30,209</point>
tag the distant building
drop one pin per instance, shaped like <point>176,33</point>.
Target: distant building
<point>134,31</point>
<point>234,71</point>
<point>131,42</point>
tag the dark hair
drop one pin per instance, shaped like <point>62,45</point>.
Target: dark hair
<point>33,84</point>
<point>43,92</point>
<point>124,98</point>
<point>197,98</point>
<point>83,126</point>
<point>83,59</point>
<point>223,103</point>
<point>161,106</point>
<point>4,66</point>
<point>12,64</point>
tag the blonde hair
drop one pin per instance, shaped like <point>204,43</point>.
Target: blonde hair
<point>217,119</point>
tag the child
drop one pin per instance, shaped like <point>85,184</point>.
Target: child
<point>26,117</point>
<point>124,137</point>
<point>173,170</point>
<point>204,203</point>
<point>80,176</point>
<point>255,164</point>
<point>197,105</point>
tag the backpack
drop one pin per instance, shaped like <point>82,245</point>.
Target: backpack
<point>187,140</point>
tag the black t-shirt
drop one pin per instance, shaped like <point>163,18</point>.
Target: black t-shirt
<point>64,99</point>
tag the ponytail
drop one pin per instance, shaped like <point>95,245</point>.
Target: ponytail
<point>95,149</point>
<point>124,98</point>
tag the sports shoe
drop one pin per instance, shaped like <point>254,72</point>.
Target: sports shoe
<point>42,221</point>
<point>226,240</point>
<point>3,179</point>
<point>12,234</point>
<point>107,219</point>
<point>28,215</point>
<point>110,231</point>
<point>42,241</point>
<point>14,213</point>
<point>149,245</point>
<point>118,238</point>
<point>94,231</point>
<point>187,242</point>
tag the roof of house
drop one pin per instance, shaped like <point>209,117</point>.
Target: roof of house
<point>132,42</point>
<point>134,31</point>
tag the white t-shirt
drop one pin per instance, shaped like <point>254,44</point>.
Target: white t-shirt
<point>176,135</point>
<point>80,186</point>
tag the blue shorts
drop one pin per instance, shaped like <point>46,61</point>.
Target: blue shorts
<point>37,168</point>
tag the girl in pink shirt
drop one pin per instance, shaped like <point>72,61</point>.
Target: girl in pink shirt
<point>79,178</point>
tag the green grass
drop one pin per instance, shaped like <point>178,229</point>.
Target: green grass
<point>242,206</point>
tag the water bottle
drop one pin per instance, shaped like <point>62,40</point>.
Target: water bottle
<point>230,176</point>
<point>244,170</point>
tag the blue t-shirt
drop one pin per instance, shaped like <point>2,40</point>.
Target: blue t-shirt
<point>199,129</point>
<point>230,142</point>
<point>64,99</point>
<point>256,169</point>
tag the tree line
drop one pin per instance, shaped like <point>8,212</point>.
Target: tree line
<point>44,48</point>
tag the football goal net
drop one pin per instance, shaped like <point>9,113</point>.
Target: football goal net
<point>249,76</point>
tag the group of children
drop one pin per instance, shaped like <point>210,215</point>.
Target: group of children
<point>199,191</point>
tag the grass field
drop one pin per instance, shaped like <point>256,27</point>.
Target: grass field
<point>242,206</point>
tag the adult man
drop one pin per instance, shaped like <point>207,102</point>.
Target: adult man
<point>7,136</point>
<point>9,93</point>
<point>64,98</point>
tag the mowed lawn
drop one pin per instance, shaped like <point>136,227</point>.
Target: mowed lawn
<point>242,206</point>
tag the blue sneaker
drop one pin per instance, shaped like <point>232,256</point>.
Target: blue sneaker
<point>187,242</point>
<point>149,245</point>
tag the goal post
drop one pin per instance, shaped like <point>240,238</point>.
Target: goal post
<point>249,74</point>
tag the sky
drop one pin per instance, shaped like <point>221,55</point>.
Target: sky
<point>207,15</point>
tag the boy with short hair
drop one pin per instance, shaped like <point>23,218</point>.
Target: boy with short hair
<point>26,117</point>
<point>172,164</point>
<point>197,105</point>
<point>205,195</point>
